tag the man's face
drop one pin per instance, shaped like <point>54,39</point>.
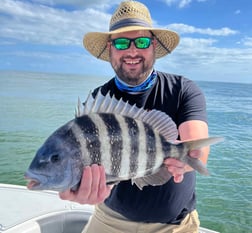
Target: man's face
<point>132,65</point>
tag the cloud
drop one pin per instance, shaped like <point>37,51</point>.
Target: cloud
<point>50,33</point>
<point>184,3</point>
<point>35,23</point>
<point>187,29</point>
<point>237,12</point>
<point>181,3</point>
<point>104,4</point>
<point>247,41</point>
<point>200,59</point>
<point>205,49</point>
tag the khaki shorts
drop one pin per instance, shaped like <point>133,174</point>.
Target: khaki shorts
<point>105,220</point>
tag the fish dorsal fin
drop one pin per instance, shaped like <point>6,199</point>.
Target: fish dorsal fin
<point>158,120</point>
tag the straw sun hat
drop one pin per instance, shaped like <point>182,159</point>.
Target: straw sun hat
<point>130,16</point>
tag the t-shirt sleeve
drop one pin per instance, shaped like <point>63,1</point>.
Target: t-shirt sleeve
<point>192,103</point>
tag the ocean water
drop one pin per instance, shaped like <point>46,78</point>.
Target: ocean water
<point>33,105</point>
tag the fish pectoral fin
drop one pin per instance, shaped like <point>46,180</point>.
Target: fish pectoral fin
<point>112,180</point>
<point>158,178</point>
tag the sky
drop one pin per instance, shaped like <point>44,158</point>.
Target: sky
<point>46,36</point>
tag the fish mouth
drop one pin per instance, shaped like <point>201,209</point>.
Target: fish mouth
<point>34,181</point>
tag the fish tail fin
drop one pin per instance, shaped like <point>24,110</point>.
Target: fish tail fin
<point>196,164</point>
<point>199,143</point>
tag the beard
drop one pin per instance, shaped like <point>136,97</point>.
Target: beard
<point>133,76</point>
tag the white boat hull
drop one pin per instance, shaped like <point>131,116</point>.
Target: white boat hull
<point>25,211</point>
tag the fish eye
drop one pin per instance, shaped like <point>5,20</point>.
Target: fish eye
<point>55,158</point>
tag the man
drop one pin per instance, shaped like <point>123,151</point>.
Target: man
<point>131,46</point>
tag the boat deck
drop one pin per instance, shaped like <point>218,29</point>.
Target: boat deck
<point>25,211</point>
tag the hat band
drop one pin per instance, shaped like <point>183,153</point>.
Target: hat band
<point>129,22</point>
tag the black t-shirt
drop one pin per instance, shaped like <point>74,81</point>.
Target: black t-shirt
<point>182,100</point>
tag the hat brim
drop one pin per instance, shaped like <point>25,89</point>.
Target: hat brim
<point>96,42</point>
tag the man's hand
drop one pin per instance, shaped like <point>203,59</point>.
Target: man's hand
<point>93,188</point>
<point>178,168</point>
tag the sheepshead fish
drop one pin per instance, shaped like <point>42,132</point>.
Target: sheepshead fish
<point>130,142</point>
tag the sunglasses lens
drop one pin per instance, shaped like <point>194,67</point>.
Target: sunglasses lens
<point>142,42</point>
<point>124,43</point>
<point>121,43</point>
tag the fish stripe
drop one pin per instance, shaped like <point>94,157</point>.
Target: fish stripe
<point>76,135</point>
<point>150,148</point>
<point>133,132</point>
<point>125,158</point>
<point>141,160</point>
<point>166,147</point>
<point>104,140</point>
<point>116,141</point>
<point>91,135</point>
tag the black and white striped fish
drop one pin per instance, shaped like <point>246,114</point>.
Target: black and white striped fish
<point>130,142</point>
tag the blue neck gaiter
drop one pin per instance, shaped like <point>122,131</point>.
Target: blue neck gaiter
<point>147,84</point>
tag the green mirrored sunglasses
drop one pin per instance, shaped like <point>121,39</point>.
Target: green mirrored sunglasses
<point>139,42</point>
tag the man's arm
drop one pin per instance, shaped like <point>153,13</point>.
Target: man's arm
<point>189,130</point>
